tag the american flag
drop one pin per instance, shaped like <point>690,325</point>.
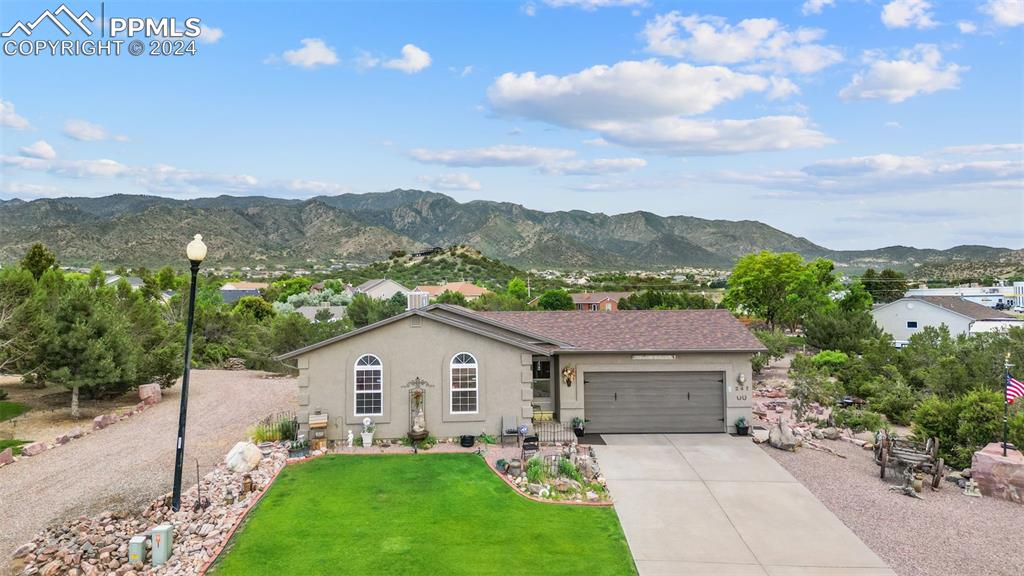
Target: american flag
<point>1014,389</point>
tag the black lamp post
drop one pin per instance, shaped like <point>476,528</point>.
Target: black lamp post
<point>195,251</point>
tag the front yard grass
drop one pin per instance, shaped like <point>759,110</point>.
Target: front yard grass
<point>14,444</point>
<point>432,514</point>
<point>10,410</point>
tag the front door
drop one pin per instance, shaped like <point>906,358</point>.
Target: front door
<point>543,398</point>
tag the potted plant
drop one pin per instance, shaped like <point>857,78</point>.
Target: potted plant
<point>578,426</point>
<point>367,433</point>
<point>742,428</point>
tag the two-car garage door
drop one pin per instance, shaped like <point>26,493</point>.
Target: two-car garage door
<point>654,402</point>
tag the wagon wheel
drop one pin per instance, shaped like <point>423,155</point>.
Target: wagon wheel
<point>938,472</point>
<point>883,463</point>
<point>932,448</point>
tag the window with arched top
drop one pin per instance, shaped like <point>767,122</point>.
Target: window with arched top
<point>465,392</point>
<point>369,386</point>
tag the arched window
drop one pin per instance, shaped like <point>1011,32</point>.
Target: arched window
<point>369,382</point>
<point>465,389</point>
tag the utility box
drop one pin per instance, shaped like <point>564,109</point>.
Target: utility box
<point>137,550</point>
<point>163,536</point>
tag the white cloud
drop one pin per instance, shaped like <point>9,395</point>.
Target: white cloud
<point>461,72</point>
<point>11,119</point>
<point>593,4</point>
<point>893,124</point>
<point>596,142</point>
<point>908,13</point>
<point>976,149</point>
<point>1004,12</point>
<point>760,43</point>
<point>414,59</point>
<point>687,137</point>
<point>210,35</point>
<point>503,155</point>
<point>639,104</point>
<point>450,181</point>
<point>314,52</point>
<point>967,27</point>
<point>626,90</point>
<point>88,131</point>
<point>886,174</point>
<point>595,167</point>
<point>919,70</point>
<point>815,6</point>
<point>26,190</point>
<point>782,88</point>
<point>41,150</point>
<point>530,9</point>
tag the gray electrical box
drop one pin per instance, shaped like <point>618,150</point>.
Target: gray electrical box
<point>137,550</point>
<point>163,536</point>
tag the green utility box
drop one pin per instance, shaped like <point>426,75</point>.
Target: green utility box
<point>163,536</point>
<point>137,550</point>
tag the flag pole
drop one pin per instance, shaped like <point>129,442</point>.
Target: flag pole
<point>1006,401</point>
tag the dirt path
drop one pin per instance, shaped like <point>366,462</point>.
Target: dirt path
<point>126,465</point>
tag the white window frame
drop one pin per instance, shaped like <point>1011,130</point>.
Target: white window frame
<point>451,383</point>
<point>355,383</point>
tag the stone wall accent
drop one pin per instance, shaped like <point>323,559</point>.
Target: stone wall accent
<point>99,545</point>
<point>150,393</point>
<point>999,476</point>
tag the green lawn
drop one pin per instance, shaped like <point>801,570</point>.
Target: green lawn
<point>16,444</point>
<point>432,514</point>
<point>9,410</point>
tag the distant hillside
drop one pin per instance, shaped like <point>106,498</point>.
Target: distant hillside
<point>363,228</point>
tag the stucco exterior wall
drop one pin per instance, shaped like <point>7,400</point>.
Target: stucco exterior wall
<point>893,319</point>
<point>409,348</point>
<point>737,395</point>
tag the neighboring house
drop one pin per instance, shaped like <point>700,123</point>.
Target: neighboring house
<point>429,251</point>
<point>134,281</point>
<point>381,288</point>
<point>991,296</point>
<point>633,371</point>
<point>468,289</point>
<point>316,288</point>
<point>907,316</point>
<point>337,312</point>
<point>234,291</point>
<point>594,301</point>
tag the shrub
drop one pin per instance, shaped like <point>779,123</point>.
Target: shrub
<point>965,424</point>
<point>567,469</point>
<point>535,470</point>
<point>830,360</point>
<point>858,420</point>
<point>3,394</point>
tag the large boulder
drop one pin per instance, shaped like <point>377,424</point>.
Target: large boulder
<point>6,456</point>
<point>243,457</point>
<point>997,475</point>
<point>830,433</point>
<point>150,393</point>
<point>780,436</point>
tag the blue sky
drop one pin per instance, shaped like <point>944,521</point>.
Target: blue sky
<point>856,124</point>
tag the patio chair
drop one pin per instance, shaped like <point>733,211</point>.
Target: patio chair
<point>509,427</point>
<point>531,446</point>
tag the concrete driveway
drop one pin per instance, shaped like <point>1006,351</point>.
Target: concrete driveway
<point>713,504</point>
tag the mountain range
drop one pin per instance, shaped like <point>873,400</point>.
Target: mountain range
<point>139,230</point>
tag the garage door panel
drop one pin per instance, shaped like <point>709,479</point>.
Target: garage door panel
<point>654,402</point>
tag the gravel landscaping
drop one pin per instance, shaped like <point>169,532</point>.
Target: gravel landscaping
<point>946,533</point>
<point>124,466</point>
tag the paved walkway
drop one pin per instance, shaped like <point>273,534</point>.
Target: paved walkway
<point>713,504</point>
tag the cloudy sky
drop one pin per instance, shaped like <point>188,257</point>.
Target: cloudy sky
<point>854,123</point>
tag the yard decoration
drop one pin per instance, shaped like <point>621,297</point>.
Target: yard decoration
<point>569,375</point>
<point>909,457</point>
<point>367,433</point>
<point>742,428</point>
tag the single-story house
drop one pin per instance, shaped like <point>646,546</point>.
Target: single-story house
<point>381,288</point>
<point>134,281</point>
<point>310,312</point>
<point>633,371</point>
<point>234,291</point>
<point>905,317</point>
<point>468,289</point>
<point>594,301</point>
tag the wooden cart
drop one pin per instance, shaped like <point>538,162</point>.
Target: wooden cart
<point>899,454</point>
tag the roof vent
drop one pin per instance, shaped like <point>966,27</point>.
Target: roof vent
<point>417,300</point>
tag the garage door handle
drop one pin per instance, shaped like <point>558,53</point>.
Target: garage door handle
<point>616,396</point>
<point>687,395</point>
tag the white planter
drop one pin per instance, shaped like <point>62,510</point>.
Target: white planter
<point>367,438</point>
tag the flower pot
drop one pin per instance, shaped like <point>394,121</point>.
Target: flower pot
<point>742,430</point>
<point>367,438</point>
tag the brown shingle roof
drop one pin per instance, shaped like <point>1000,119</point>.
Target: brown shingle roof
<point>637,330</point>
<point>598,297</point>
<point>961,306</point>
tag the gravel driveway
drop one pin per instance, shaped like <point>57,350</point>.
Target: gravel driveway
<point>945,534</point>
<point>132,462</point>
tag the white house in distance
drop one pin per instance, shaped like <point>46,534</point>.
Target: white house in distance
<point>381,288</point>
<point>909,315</point>
<point>991,296</point>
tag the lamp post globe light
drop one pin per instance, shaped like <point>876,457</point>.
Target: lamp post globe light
<point>196,252</point>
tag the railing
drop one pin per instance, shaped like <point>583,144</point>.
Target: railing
<point>553,431</point>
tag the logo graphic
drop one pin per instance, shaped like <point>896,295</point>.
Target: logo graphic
<point>53,17</point>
